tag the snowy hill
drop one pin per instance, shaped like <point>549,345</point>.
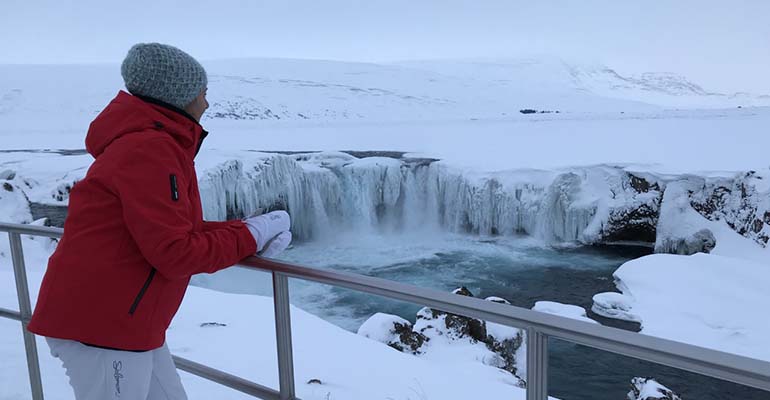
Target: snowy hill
<point>280,89</point>
<point>558,77</point>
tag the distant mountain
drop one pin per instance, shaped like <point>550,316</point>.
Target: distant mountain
<point>659,88</point>
<point>556,75</point>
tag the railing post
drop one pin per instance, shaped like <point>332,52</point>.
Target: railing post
<point>283,335</point>
<point>537,365</point>
<point>25,309</point>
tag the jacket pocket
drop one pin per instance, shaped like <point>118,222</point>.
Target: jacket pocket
<point>142,291</point>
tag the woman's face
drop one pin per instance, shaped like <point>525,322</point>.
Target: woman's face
<point>198,106</point>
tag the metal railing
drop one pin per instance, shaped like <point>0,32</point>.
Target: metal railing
<point>540,328</point>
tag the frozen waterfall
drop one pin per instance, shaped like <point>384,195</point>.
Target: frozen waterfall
<point>332,192</point>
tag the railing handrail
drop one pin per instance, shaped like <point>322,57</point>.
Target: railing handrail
<point>32,230</point>
<point>539,326</point>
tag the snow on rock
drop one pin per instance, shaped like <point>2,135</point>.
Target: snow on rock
<point>697,212</point>
<point>451,325</point>
<point>614,305</point>
<point>44,176</point>
<point>564,310</point>
<point>681,229</point>
<point>650,389</point>
<point>496,299</point>
<point>743,203</point>
<point>635,215</point>
<point>437,335</point>
<point>394,331</point>
<point>14,206</point>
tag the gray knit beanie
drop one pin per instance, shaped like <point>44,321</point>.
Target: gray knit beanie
<point>163,73</point>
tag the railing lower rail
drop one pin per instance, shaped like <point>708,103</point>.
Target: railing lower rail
<point>539,327</point>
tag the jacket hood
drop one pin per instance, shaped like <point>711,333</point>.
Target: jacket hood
<point>127,114</point>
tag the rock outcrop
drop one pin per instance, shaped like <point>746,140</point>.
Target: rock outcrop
<point>650,389</point>
<point>502,345</point>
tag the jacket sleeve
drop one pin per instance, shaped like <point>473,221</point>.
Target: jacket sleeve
<point>158,215</point>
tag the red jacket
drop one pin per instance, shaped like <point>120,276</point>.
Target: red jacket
<point>134,232</point>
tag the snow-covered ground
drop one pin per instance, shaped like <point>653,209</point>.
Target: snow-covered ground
<point>615,151</point>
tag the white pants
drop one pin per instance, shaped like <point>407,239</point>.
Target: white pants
<point>99,374</point>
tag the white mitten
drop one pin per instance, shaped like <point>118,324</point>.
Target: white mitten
<point>277,245</point>
<point>265,227</point>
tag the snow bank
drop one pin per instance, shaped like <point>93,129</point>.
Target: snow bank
<point>614,305</point>
<point>703,299</point>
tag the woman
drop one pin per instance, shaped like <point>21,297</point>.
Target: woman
<point>135,234</point>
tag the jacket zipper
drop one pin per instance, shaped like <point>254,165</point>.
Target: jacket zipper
<point>142,292</point>
<point>174,187</point>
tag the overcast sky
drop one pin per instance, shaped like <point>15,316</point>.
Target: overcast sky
<point>724,45</point>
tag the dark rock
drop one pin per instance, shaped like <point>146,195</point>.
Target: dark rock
<point>713,203</point>
<point>458,325</point>
<point>638,222</point>
<point>212,324</point>
<point>409,340</point>
<point>63,191</point>
<point>8,175</point>
<point>641,185</point>
<point>465,326</point>
<point>463,291</point>
<point>738,204</point>
<point>8,187</point>
<point>367,154</point>
<point>507,349</point>
<point>633,225</point>
<point>533,111</point>
<point>462,326</point>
